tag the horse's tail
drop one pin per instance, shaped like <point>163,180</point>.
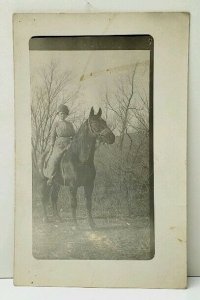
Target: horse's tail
<point>41,164</point>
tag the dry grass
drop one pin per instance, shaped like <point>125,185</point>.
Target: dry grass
<point>117,236</point>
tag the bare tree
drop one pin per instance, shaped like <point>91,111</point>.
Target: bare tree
<point>128,105</point>
<point>124,106</point>
<point>52,87</point>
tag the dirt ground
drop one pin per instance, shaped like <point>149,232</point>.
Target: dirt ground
<point>116,236</point>
<point>112,239</point>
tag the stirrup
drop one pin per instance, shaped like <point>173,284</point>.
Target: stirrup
<point>50,181</point>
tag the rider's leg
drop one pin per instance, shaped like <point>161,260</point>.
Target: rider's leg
<point>53,165</point>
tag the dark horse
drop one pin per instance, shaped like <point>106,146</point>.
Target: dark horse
<point>76,167</point>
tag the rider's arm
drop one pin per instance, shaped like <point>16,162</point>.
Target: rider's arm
<point>72,131</point>
<point>53,135</point>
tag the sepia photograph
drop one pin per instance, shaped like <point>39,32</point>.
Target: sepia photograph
<point>101,123</point>
<point>92,147</point>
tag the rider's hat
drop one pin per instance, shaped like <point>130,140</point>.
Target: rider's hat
<point>63,108</point>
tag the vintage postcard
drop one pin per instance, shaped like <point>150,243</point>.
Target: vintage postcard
<point>101,114</point>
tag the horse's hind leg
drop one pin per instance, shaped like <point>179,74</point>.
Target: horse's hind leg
<point>45,198</point>
<point>73,193</point>
<point>88,194</point>
<point>54,199</point>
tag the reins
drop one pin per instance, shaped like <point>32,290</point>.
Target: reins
<point>95,133</point>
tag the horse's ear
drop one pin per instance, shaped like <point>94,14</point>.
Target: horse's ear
<point>99,113</point>
<point>92,112</point>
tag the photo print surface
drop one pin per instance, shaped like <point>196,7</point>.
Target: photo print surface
<point>92,147</point>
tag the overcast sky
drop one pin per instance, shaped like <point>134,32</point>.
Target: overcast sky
<point>97,69</point>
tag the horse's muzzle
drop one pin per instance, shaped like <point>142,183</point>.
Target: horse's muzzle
<point>109,137</point>
<point>112,138</point>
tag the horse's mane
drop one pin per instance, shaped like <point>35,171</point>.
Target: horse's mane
<point>80,139</point>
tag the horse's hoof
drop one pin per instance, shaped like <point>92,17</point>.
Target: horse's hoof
<point>59,220</point>
<point>92,225</point>
<point>44,220</point>
<point>48,220</point>
<point>74,228</point>
<point>62,220</point>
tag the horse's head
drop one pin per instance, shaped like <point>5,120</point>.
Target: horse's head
<point>98,127</point>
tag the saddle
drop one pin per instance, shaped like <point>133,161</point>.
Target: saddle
<point>44,159</point>
<point>49,153</point>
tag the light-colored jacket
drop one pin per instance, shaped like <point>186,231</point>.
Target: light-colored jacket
<point>61,135</point>
<point>61,132</point>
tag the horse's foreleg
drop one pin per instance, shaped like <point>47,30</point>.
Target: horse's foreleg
<point>54,199</point>
<point>73,192</point>
<point>88,194</point>
<point>44,198</point>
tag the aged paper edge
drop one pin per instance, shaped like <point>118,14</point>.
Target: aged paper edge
<point>168,268</point>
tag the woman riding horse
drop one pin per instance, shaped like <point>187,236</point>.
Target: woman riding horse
<point>61,136</point>
<point>76,166</point>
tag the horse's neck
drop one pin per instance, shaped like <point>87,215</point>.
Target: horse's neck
<point>85,144</point>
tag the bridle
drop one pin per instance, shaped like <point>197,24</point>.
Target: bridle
<point>96,133</point>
